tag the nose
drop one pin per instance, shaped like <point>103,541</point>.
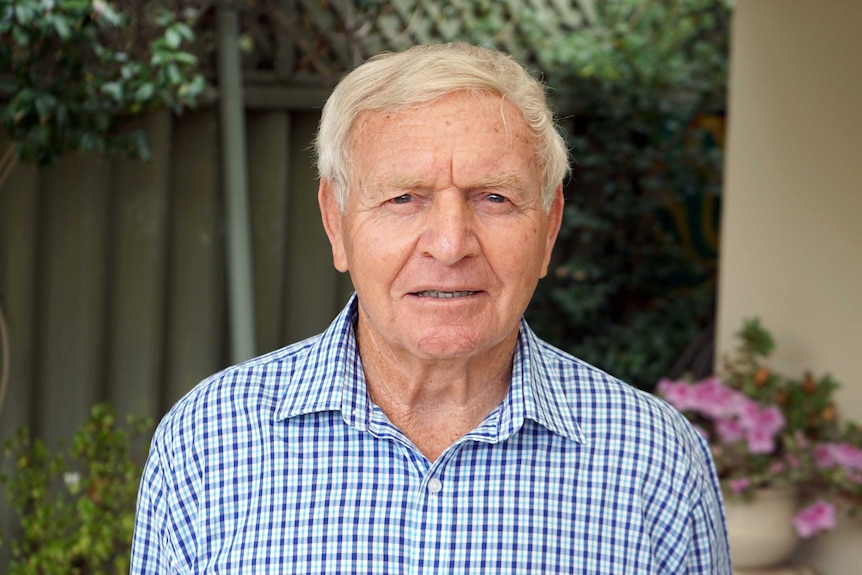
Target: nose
<point>449,234</point>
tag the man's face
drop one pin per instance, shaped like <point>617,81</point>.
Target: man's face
<point>443,233</point>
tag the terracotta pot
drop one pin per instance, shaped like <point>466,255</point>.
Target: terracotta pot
<point>761,530</point>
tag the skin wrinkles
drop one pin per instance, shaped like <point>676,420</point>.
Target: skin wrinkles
<point>446,197</point>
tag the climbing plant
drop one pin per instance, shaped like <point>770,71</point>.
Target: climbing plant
<point>75,71</point>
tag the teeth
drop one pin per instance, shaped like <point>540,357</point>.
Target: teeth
<point>445,294</point>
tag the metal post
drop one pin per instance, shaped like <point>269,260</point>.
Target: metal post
<point>239,252</point>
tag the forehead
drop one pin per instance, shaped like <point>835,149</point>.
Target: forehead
<point>461,128</point>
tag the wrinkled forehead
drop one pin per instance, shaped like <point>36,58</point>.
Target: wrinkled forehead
<point>484,106</point>
<point>468,142</point>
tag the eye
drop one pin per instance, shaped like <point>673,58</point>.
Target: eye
<point>496,198</point>
<point>402,199</point>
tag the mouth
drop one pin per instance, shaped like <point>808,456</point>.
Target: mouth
<point>444,294</point>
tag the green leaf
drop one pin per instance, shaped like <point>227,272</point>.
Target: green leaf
<point>173,38</point>
<point>144,92</point>
<point>24,13</point>
<point>111,16</point>
<point>191,90</point>
<point>21,37</point>
<point>164,18</point>
<point>174,75</point>
<point>185,31</point>
<point>113,89</point>
<point>185,58</point>
<point>45,104</point>
<point>130,70</point>
<point>61,27</point>
<point>158,59</point>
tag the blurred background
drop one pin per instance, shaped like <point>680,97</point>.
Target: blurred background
<point>158,213</point>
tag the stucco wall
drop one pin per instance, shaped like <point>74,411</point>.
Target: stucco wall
<point>792,223</point>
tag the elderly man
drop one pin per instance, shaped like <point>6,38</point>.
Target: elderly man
<point>428,430</point>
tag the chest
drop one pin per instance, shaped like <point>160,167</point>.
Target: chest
<point>324,500</point>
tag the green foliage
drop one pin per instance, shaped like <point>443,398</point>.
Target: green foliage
<point>806,402</point>
<point>755,341</point>
<point>76,507</point>
<point>634,279</point>
<point>80,68</point>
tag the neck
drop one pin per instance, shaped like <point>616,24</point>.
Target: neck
<point>435,402</point>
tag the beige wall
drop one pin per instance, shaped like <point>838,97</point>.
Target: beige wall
<point>792,222</point>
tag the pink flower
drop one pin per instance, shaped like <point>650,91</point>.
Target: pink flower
<point>709,397</point>
<point>761,425</point>
<point>793,461</point>
<point>729,430</point>
<point>677,393</point>
<point>777,468</point>
<point>713,399</point>
<point>739,485</point>
<point>769,420</point>
<point>817,517</point>
<point>823,458</point>
<point>760,441</point>
<point>845,455</point>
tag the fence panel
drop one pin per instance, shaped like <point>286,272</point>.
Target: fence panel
<point>112,271</point>
<point>196,303</point>
<point>71,292</point>
<point>135,347</point>
<point>268,168</point>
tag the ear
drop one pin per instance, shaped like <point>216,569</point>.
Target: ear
<point>555,220</point>
<point>331,215</point>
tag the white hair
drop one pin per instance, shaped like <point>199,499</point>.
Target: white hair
<point>422,74</point>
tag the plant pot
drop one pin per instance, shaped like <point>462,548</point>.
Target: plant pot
<point>761,531</point>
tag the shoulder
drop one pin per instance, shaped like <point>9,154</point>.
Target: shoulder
<point>236,396</point>
<point>641,440</point>
<point>611,412</point>
<point>601,398</point>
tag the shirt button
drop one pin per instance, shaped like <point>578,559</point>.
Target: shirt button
<point>434,486</point>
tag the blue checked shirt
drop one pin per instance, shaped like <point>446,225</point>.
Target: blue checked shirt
<point>284,465</point>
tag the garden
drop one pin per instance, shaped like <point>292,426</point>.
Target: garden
<point>633,283</point>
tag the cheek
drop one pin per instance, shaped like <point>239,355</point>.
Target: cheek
<point>523,247</point>
<point>518,260</point>
<point>376,258</point>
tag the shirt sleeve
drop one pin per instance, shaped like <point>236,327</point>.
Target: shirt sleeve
<point>148,557</point>
<point>684,507</point>
<point>163,543</point>
<point>708,551</point>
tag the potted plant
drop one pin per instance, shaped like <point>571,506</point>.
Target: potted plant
<point>770,433</point>
<point>76,507</point>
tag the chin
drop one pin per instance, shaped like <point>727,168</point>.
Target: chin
<point>447,346</point>
<point>463,342</point>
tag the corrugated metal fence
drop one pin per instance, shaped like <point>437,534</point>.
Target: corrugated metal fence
<point>112,271</point>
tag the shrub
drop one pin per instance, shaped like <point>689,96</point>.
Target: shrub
<point>76,507</point>
<point>634,280</point>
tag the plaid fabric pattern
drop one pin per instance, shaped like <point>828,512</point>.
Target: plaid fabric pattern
<point>283,465</point>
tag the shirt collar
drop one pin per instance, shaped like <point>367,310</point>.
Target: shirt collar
<point>329,377</point>
<point>322,376</point>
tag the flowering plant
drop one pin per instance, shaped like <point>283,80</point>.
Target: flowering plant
<point>768,430</point>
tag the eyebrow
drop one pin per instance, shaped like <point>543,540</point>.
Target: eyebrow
<point>401,181</point>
